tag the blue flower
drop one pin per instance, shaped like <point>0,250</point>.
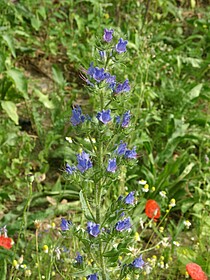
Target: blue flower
<point>124,87</point>
<point>84,162</point>
<point>70,169</point>
<point>96,73</point>
<point>121,46</point>
<point>91,69</point>
<point>125,119</point>
<point>79,258</point>
<point>131,153</point>
<point>102,54</point>
<point>138,262</point>
<point>104,116</point>
<point>121,148</point>
<point>129,199</point>
<point>123,225</point>
<point>93,229</point>
<point>108,35</point>
<point>77,116</point>
<point>112,165</point>
<point>92,277</point>
<point>99,74</point>
<point>65,224</point>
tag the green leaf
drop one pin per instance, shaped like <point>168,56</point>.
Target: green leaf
<point>36,23</point>
<point>44,99</point>
<point>7,38</point>
<point>85,208</point>
<point>58,75</point>
<point>198,207</point>
<point>187,204</point>
<point>195,92</point>
<point>19,80</point>
<point>10,108</point>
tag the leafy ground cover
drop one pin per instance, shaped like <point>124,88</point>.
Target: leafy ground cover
<point>104,167</point>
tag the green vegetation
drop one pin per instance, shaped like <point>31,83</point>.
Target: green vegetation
<point>45,47</point>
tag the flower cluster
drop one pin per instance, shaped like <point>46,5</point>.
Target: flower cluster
<point>83,163</point>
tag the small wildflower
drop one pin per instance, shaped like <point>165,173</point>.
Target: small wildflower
<point>45,249</point>
<point>121,46</point>
<point>123,225</point>
<point>153,189</point>
<point>165,242</point>
<point>121,148</point>
<point>79,258</point>
<point>102,54</point>
<point>15,264</point>
<point>77,116</point>
<point>70,169</point>
<point>65,224</point>
<point>24,266</point>
<point>93,229</point>
<point>136,236</point>
<point>145,188</point>
<point>177,244</point>
<point>163,194</point>
<point>196,272</point>
<point>152,209</point>
<point>69,139</point>
<point>28,273</point>
<point>161,229</point>
<point>37,224</point>
<point>142,182</point>
<point>92,277</point>
<point>108,35</point>
<point>186,275</point>
<point>126,119</point>
<point>104,116</point>
<point>124,87</point>
<point>138,262</point>
<point>53,225</point>
<point>112,165</point>
<point>129,199</point>
<point>84,162</point>
<point>131,154</point>
<point>187,224</point>
<point>141,223</point>
<point>172,203</point>
<point>58,253</point>
<point>161,264</point>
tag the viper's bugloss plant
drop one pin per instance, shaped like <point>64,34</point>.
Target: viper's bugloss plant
<point>110,229</point>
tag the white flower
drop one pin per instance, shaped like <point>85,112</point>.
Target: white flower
<point>172,203</point>
<point>142,182</point>
<point>187,224</point>
<point>165,242</point>
<point>176,243</point>
<point>69,139</point>
<point>163,194</point>
<point>145,188</point>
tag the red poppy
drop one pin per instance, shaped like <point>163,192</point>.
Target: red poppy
<point>5,242</point>
<point>152,209</point>
<point>195,271</point>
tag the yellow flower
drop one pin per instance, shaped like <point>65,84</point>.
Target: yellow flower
<point>45,249</point>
